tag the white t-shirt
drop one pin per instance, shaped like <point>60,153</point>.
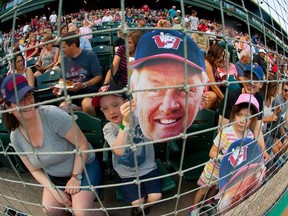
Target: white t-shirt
<point>53,18</point>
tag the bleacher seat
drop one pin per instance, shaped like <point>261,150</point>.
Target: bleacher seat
<point>197,145</point>
<point>101,40</point>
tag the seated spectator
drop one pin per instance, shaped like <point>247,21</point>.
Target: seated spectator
<point>224,112</point>
<point>202,41</point>
<point>47,59</point>
<point>117,133</point>
<point>241,64</point>
<point>84,42</point>
<point>118,72</point>
<point>281,133</point>
<point>39,129</point>
<point>129,18</point>
<point>215,56</point>
<point>176,23</point>
<point>18,63</point>
<point>260,59</point>
<point>98,20</point>
<point>82,67</point>
<point>163,23</point>
<point>107,17</point>
<point>32,43</point>
<point>269,115</point>
<point>226,69</point>
<point>64,30</point>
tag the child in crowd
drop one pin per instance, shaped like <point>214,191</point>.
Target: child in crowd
<point>117,110</point>
<point>245,106</point>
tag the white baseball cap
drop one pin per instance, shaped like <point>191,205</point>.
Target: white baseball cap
<point>262,51</point>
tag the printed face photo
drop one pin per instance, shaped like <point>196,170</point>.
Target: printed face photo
<point>161,112</point>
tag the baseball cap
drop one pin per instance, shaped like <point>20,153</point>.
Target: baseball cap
<point>108,88</point>
<point>168,44</point>
<point>242,156</point>
<point>262,51</point>
<point>257,70</point>
<point>8,88</point>
<point>248,98</point>
<point>178,11</point>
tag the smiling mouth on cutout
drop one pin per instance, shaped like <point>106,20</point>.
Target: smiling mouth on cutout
<point>168,121</point>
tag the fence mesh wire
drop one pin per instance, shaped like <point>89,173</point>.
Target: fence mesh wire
<point>20,191</point>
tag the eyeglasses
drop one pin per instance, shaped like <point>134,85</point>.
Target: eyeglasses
<point>28,96</point>
<point>285,90</point>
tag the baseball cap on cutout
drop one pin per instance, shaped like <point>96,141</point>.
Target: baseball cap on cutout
<point>242,157</point>
<point>108,88</point>
<point>257,70</point>
<point>248,98</point>
<point>8,88</point>
<point>262,51</point>
<point>168,44</point>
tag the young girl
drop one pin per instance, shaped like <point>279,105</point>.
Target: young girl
<point>117,133</point>
<point>241,116</point>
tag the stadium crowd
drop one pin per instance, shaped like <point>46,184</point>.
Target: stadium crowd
<point>223,55</point>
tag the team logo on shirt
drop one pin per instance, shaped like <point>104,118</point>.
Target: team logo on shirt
<point>167,41</point>
<point>238,155</point>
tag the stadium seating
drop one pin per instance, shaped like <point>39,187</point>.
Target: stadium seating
<point>197,145</point>
<point>101,40</point>
<point>43,84</point>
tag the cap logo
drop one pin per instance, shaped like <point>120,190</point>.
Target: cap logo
<point>238,155</point>
<point>167,41</point>
<point>104,88</point>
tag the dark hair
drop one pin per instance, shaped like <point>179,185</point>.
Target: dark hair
<point>70,41</point>
<point>237,108</point>
<point>271,86</point>
<point>10,121</point>
<point>15,57</point>
<point>214,54</point>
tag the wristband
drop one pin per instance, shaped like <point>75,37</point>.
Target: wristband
<point>85,85</point>
<point>124,128</point>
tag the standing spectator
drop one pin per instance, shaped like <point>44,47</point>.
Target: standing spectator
<point>82,67</point>
<point>194,20</point>
<point>241,64</point>
<point>178,14</point>
<point>38,129</point>
<point>85,29</point>
<point>172,12</point>
<point>260,59</point>
<point>53,19</point>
